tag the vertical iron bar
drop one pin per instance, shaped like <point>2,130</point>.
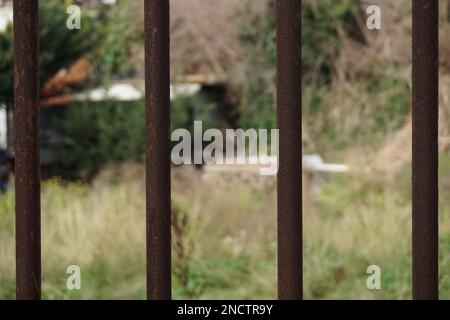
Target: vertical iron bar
<point>425,149</point>
<point>26,136</point>
<point>157,106</point>
<point>289,117</point>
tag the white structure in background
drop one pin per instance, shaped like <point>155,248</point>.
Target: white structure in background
<point>130,91</point>
<point>3,127</point>
<point>119,91</point>
<point>6,15</point>
<point>311,163</point>
<point>315,163</point>
<point>315,171</point>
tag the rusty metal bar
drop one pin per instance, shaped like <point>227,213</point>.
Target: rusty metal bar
<point>425,149</point>
<point>289,188</point>
<point>26,136</point>
<point>157,106</point>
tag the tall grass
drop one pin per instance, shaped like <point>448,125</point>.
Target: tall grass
<point>224,237</point>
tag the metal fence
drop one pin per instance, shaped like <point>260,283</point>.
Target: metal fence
<point>157,66</point>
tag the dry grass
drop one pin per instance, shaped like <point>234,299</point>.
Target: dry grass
<point>226,246</point>
<point>101,228</point>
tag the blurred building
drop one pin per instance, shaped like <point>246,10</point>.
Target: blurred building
<point>94,3</point>
<point>6,14</point>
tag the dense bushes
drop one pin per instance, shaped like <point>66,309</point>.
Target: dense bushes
<point>92,134</point>
<point>336,113</point>
<point>96,134</point>
<point>324,23</point>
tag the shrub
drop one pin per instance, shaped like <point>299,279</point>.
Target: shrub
<point>91,135</point>
<point>96,134</point>
<point>323,24</point>
<point>59,46</point>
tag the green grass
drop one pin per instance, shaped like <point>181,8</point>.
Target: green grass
<point>224,246</point>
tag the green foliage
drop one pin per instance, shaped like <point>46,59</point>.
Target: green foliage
<point>101,37</point>
<point>6,65</point>
<point>258,38</point>
<point>390,111</point>
<point>187,109</point>
<point>100,133</point>
<point>187,276</point>
<point>7,203</point>
<point>367,112</point>
<point>113,56</point>
<point>323,25</point>
<point>59,46</point>
<point>182,113</point>
<point>107,132</point>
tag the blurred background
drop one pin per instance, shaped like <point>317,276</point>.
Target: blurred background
<point>356,112</point>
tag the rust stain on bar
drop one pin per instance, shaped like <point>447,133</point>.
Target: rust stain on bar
<point>290,259</point>
<point>425,149</point>
<point>26,136</point>
<point>157,106</point>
